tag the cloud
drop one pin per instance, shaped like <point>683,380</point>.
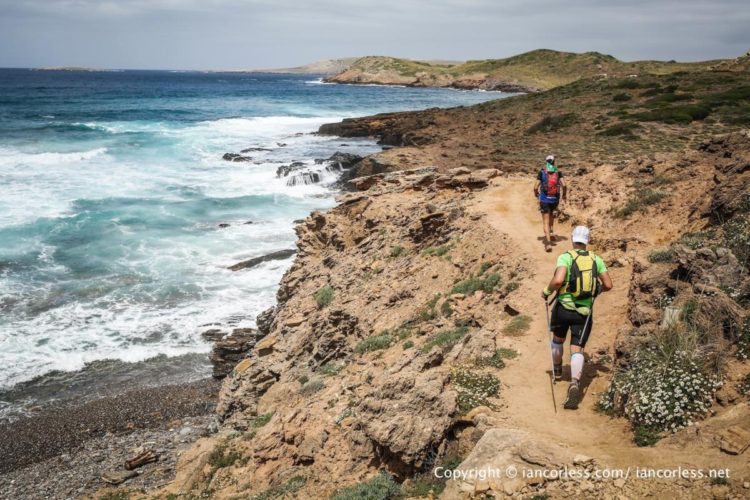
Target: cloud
<point>215,34</point>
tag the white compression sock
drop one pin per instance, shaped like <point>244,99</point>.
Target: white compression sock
<point>557,353</point>
<point>576,365</point>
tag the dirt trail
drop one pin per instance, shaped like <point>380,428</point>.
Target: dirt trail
<point>510,208</point>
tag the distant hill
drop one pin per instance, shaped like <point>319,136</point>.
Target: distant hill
<point>325,67</point>
<point>532,71</point>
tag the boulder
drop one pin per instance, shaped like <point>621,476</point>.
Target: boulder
<point>236,157</point>
<point>255,261</point>
<point>230,350</point>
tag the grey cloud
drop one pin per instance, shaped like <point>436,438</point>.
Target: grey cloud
<point>216,34</point>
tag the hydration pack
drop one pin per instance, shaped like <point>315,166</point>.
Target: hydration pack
<point>583,282</point>
<point>550,183</point>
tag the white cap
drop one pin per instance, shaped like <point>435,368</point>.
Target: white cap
<point>550,158</point>
<point>580,235</point>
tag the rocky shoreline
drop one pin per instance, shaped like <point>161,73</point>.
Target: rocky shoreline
<point>63,451</point>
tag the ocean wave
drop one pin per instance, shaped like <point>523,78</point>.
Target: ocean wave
<point>14,158</point>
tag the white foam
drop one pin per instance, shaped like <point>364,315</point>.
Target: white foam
<point>15,158</point>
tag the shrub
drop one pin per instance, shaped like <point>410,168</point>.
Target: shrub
<point>261,420</point>
<point>221,458</point>
<point>286,490</point>
<point>380,487</point>
<point>324,296</point>
<point>374,343</point>
<point>495,360</point>
<point>552,123</point>
<point>665,387</point>
<point>331,368</point>
<point>675,114</point>
<point>428,312</point>
<point>737,238</point>
<point>445,338</point>
<point>622,97</point>
<point>474,388</point>
<point>513,285</point>
<point>311,387</point>
<point>664,255</point>
<point>438,251</point>
<point>644,435</point>
<point>423,486</point>
<point>507,353</point>
<point>628,83</point>
<point>639,200</point>
<point>743,341</point>
<point>620,129</point>
<point>471,285</point>
<point>485,265</point>
<point>446,308</point>
<point>398,251</point>
<point>303,379</point>
<point>408,344</point>
<point>517,326</point>
<point>115,495</point>
<point>744,386</point>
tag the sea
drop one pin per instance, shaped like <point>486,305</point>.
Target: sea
<point>119,216</point>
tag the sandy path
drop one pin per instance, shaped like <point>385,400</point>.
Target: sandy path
<point>510,208</point>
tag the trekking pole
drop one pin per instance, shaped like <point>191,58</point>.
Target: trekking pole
<point>591,311</point>
<point>552,357</point>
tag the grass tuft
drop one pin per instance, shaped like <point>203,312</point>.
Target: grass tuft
<point>445,338</point>
<point>324,296</point>
<point>517,326</point>
<point>374,343</point>
<point>380,487</point>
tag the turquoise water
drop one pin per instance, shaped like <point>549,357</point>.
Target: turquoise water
<point>113,189</point>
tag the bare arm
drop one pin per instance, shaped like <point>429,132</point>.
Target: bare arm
<point>606,281</point>
<point>557,281</point>
<point>564,189</point>
<point>537,186</point>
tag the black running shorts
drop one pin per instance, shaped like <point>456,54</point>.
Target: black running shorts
<point>547,208</point>
<point>564,319</point>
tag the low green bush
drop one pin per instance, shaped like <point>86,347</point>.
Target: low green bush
<point>737,238</point>
<point>324,296</point>
<point>495,360</point>
<point>674,114</point>
<point>744,386</point>
<point>640,199</point>
<point>517,326</point>
<point>622,97</point>
<point>221,457</point>
<point>666,386</point>
<point>552,123</point>
<point>663,255</point>
<point>474,388</point>
<point>398,251</point>
<point>445,338</point>
<point>261,420</point>
<point>471,285</point>
<point>644,435</point>
<point>380,487</point>
<point>437,251</point>
<point>620,129</point>
<point>374,343</point>
<point>331,368</point>
<point>286,490</point>
<point>311,387</point>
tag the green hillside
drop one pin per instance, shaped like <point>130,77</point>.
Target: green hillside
<point>536,70</point>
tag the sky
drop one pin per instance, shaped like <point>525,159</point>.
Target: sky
<point>249,34</point>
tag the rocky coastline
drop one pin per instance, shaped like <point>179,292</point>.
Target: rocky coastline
<point>406,334</point>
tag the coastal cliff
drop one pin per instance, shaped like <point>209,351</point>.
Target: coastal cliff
<point>409,337</point>
<point>528,72</point>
